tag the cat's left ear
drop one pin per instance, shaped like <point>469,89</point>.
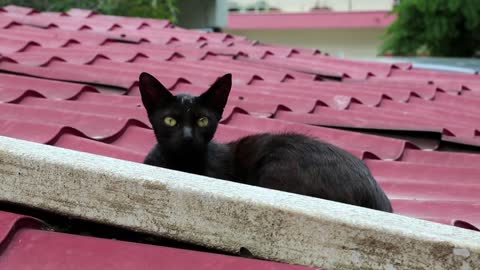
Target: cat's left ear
<point>217,95</point>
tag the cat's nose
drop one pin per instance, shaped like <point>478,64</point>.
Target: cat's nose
<point>187,133</point>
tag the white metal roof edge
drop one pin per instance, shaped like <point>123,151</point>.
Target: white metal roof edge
<point>215,213</point>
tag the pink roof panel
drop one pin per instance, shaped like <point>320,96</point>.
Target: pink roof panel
<point>78,89</point>
<point>308,20</point>
<point>21,237</point>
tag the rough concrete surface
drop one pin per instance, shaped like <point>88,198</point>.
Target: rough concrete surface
<point>271,224</point>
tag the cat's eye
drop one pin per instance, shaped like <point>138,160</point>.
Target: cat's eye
<point>202,122</point>
<point>169,121</point>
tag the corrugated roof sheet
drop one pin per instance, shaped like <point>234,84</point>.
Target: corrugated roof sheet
<point>25,246</point>
<point>56,66</point>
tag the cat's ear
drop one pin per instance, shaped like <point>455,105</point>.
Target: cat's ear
<point>154,94</point>
<point>217,95</point>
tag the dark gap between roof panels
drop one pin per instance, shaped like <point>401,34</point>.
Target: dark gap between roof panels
<point>458,147</point>
<point>123,40</point>
<point>100,87</point>
<point>421,139</point>
<point>64,224</point>
<point>324,77</point>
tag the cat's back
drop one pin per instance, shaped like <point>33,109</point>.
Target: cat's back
<point>301,164</point>
<point>286,146</point>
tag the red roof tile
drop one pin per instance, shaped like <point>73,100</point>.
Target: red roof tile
<point>21,237</point>
<point>56,97</point>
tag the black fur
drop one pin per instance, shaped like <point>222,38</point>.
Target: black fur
<point>288,162</point>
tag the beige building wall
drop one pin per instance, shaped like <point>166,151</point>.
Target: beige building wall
<point>336,5</point>
<point>349,43</point>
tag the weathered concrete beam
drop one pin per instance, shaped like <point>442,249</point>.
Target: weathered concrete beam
<point>215,213</point>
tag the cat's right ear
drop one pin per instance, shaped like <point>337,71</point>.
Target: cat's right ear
<point>154,94</point>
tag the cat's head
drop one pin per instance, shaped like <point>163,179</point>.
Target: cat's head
<point>183,121</point>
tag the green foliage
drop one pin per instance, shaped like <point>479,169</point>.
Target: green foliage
<point>434,27</point>
<point>160,9</point>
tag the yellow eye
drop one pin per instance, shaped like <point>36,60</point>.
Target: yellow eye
<point>202,122</point>
<point>169,121</point>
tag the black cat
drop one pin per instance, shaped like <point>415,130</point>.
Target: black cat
<point>184,126</point>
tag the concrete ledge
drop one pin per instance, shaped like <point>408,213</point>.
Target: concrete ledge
<point>215,213</point>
